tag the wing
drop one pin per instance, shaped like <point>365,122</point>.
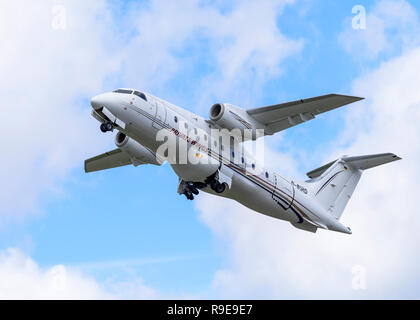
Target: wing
<point>112,159</point>
<point>283,116</point>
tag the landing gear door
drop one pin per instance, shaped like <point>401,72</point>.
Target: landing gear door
<point>283,192</point>
<point>160,116</point>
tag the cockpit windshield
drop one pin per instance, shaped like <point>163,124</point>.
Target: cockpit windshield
<point>123,91</point>
<point>141,95</point>
<point>137,93</point>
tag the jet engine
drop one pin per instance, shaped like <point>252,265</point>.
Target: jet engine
<point>135,150</point>
<point>232,117</point>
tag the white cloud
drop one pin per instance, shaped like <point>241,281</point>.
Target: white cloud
<point>47,131</point>
<point>266,258</point>
<point>51,73</point>
<point>243,46</point>
<point>22,278</point>
<point>391,26</point>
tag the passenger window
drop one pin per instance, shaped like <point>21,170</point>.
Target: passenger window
<point>253,166</point>
<point>233,154</point>
<point>243,160</point>
<point>186,125</point>
<point>140,95</point>
<point>176,119</point>
<point>266,175</point>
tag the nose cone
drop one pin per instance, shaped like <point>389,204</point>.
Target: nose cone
<point>109,100</point>
<point>98,101</point>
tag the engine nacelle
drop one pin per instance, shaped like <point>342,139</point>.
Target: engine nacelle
<point>232,117</point>
<point>138,153</point>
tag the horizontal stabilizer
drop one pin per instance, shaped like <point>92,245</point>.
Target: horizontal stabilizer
<point>361,163</point>
<point>367,162</point>
<point>112,159</point>
<point>318,172</point>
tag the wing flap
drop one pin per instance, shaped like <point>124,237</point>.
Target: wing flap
<point>282,116</point>
<point>112,159</point>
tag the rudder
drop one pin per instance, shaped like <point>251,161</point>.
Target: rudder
<point>333,185</point>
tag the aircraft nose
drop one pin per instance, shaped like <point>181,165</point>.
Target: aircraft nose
<point>107,100</point>
<point>97,101</point>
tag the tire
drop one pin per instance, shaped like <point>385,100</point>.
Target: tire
<point>220,188</point>
<point>194,191</point>
<point>103,128</point>
<point>213,185</point>
<point>109,127</point>
<point>189,195</point>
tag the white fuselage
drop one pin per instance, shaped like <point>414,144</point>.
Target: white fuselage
<point>266,192</point>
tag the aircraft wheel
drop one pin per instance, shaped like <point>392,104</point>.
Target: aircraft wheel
<point>217,187</point>
<point>189,195</point>
<point>220,187</point>
<point>194,191</point>
<point>109,126</point>
<point>103,128</point>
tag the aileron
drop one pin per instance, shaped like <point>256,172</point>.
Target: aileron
<point>283,116</point>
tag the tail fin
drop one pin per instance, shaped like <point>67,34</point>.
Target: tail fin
<point>333,184</point>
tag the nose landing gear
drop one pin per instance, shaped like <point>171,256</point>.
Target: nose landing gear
<point>105,127</point>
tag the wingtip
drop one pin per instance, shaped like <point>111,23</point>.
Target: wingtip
<point>396,158</point>
<point>85,167</point>
<point>355,98</point>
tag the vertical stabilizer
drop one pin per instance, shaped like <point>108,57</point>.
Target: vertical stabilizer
<point>333,185</point>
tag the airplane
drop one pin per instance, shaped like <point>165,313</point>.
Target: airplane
<point>229,170</point>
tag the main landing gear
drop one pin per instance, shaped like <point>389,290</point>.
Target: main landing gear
<point>191,189</point>
<point>217,187</point>
<point>105,127</point>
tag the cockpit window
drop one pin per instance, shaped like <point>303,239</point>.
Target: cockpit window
<point>141,95</point>
<point>123,91</point>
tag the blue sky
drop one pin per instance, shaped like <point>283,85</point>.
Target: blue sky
<point>129,223</point>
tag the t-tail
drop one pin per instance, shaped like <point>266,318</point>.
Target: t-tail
<point>333,184</point>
